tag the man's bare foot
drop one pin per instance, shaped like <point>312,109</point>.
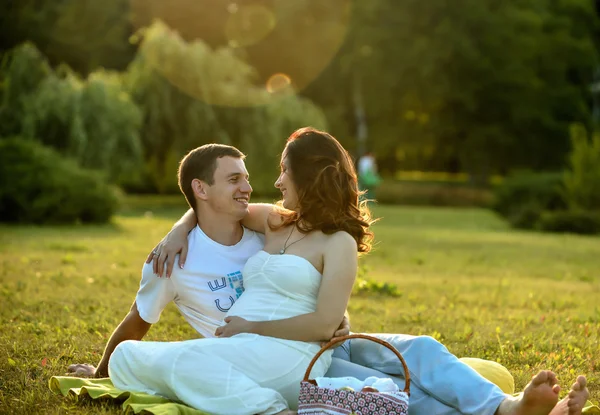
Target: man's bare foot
<point>82,370</point>
<point>538,398</point>
<point>573,403</point>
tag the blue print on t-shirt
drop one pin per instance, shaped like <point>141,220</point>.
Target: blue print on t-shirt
<point>236,282</point>
<point>217,285</point>
<point>224,309</point>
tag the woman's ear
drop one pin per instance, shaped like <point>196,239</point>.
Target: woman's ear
<point>199,188</point>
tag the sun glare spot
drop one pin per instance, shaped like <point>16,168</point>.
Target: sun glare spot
<point>278,82</point>
<point>232,8</point>
<point>264,48</point>
<point>248,25</point>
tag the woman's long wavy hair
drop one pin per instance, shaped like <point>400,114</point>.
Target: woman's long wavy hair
<point>328,195</point>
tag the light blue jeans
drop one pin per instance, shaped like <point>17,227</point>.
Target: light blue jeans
<point>440,383</point>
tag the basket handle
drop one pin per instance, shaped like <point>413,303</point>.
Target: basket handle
<point>360,336</point>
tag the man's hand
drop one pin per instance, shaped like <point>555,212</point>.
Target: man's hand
<point>175,242</point>
<point>82,370</point>
<point>343,330</point>
<point>235,325</point>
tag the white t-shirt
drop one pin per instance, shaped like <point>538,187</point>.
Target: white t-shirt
<point>208,285</point>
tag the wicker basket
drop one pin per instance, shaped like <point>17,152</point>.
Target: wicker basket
<point>314,400</point>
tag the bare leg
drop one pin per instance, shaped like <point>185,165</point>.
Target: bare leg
<point>573,403</point>
<point>538,398</point>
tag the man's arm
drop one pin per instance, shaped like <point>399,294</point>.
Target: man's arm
<point>133,327</point>
<point>257,217</point>
<point>175,241</point>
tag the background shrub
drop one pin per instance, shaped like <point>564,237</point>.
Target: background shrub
<point>582,178</point>
<point>575,221</point>
<point>525,216</point>
<point>522,198</point>
<point>39,186</point>
<point>423,193</point>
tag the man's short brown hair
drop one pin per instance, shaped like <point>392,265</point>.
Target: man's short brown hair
<point>201,163</point>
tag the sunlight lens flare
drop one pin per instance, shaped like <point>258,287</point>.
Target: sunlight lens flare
<point>248,25</point>
<point>240,53</point>
<point>278,82</point>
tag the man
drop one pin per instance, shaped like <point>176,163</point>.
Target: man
<point>215,183</point>
<point>211,282</point>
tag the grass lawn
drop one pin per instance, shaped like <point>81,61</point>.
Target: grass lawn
<point>527,300</point>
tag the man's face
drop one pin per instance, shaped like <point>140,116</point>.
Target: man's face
<point>230,192</point>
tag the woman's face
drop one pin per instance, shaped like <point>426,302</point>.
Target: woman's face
<point>286,185</point>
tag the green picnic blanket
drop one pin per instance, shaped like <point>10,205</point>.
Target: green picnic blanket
<point>142,403</point>
<point>132,402</point>
<point>590,409</point>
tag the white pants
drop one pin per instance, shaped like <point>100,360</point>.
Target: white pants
<point>241,375</point>
<point>440,383</point>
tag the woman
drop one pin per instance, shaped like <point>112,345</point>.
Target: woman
<point>307,268</point>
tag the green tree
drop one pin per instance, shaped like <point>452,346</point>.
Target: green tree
<point>22,70</point>
<point>480,86</point>
<point>28,20</point>
<point>262,133</point>
<point>582,178</point>
<point>191,94</point>
<point>88,35</point>
<point>83,34</point>
<point>92,121</point>
<point>166,79</point>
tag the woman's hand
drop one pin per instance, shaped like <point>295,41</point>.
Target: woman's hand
<point>174,243</point>
<point>235,325</point>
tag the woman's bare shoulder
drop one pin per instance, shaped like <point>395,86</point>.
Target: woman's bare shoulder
<point>341,239</point>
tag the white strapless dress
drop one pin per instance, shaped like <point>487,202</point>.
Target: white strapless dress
<point>245,374</point>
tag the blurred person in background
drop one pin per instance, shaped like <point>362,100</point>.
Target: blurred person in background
<point>368,176</point>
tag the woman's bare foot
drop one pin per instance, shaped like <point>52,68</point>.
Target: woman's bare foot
<point>573,403</point>
<point>538,398</point>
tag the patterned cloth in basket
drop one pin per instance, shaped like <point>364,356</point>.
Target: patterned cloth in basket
<point>315,400</point>
<point>324,401</point>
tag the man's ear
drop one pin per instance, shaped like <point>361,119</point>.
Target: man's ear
<point>199,188</point>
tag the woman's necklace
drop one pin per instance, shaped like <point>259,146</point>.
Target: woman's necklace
<point>286,246</point>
